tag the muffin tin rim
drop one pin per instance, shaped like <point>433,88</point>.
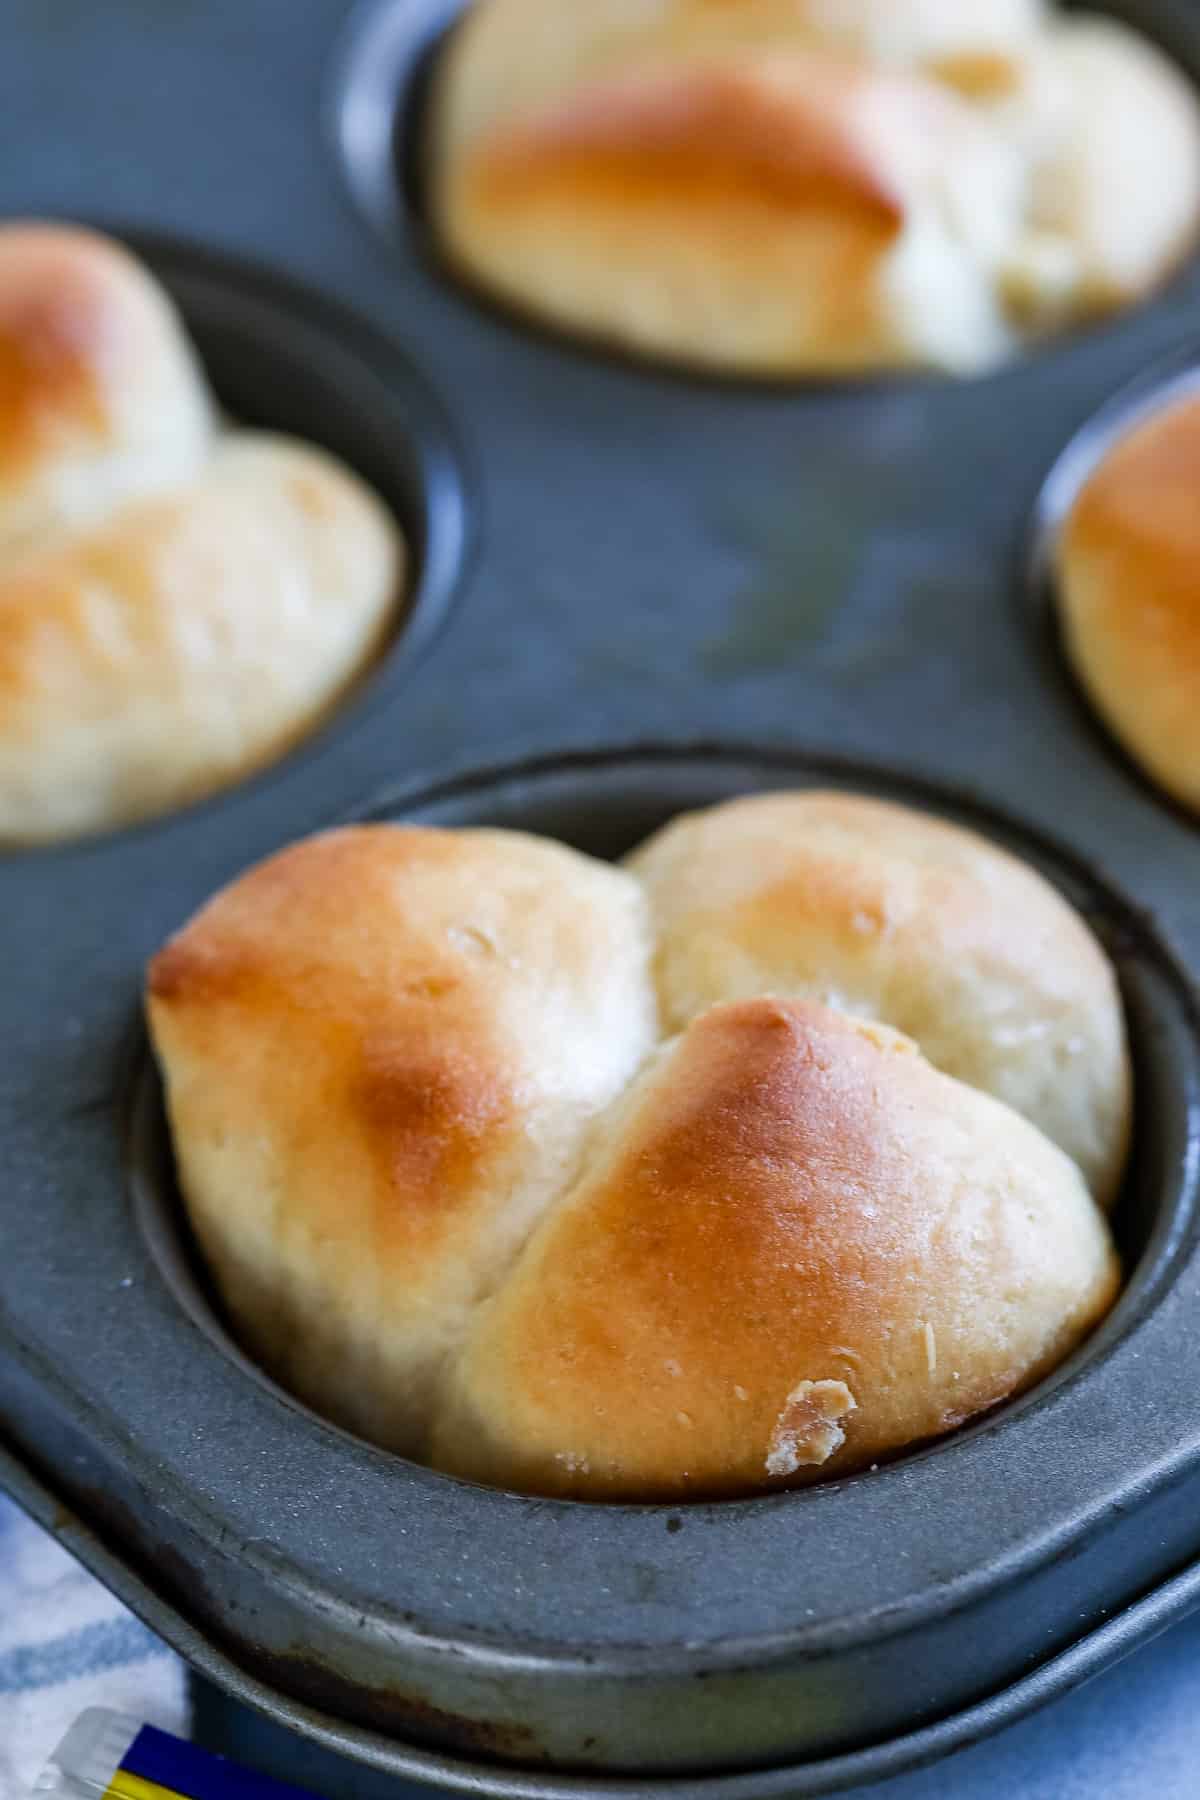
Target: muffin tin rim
<point>1098,1650</point>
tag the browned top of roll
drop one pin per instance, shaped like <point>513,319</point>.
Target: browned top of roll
<point>1129,581</point>
<point>178,603</point>
<point>777,186</point>
<point>797,1248</point>
<point>482,1171</point>
<point>801,130</point>
<point>100,394</point>
<point>382,1048</point>
<point>891,914</point>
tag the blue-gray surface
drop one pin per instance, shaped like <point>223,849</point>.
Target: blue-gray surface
<point>233,88</point>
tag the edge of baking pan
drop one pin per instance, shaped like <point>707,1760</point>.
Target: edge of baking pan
<point>1097,1651</point>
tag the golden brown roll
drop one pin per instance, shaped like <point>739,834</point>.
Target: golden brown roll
<point>782,186</point>
<point>797,1249</point>
<point>189,639</point>
<point>101,397</point>
<point>1115,196</point>
<point>892,915</point>
<point>382,1049</point>
<point>1128,576</point>
<point>178,604</point>
<point>491,73</point>
<point>465,1188</point>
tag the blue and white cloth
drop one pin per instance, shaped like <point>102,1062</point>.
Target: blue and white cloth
<point>66,1644</point>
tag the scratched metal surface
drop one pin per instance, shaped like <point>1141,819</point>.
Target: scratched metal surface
<point>1129,1734</point>
<point>837,570</point>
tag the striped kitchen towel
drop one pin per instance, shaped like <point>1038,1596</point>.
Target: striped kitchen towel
<point>66,1644</point>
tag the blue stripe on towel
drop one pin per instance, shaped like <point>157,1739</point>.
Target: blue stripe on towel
<point>107,1644</point>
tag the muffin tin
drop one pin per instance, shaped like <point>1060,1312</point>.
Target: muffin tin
<point>665,590</point>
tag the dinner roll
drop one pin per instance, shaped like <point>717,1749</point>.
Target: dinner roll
<point>101,397</point>
<point>491,74</point>
<point>890,914</point>
<point>187,640</point>
<point>467,1184</point>
<point>1128,574</point>
<point>1116,198</point>
<point>797,1249</point>
<point>945,34</point>
<point>178,603</point>
<point>781,186</point>
<point>382,1050</point>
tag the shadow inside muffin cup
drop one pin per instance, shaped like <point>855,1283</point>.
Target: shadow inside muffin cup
<point>606,802</point>
<point>1169,382</point>
<point>378,103</point>
<point>283,359</point>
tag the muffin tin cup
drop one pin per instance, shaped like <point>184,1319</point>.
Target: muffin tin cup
<point>820,584</point>
<point>377,100</point>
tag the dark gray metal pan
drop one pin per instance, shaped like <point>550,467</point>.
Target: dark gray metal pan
<point>770,587</point>
<point>1099,1650</point>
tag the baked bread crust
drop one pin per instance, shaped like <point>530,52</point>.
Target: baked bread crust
<point>382,1050</point>
<point>893,915</point>
<point>101,396</point>
<point>799,1249</point>
<point>780,186</point>
<point>179,603</point>
<point>480,1176</point>
<point>1128,574</point>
